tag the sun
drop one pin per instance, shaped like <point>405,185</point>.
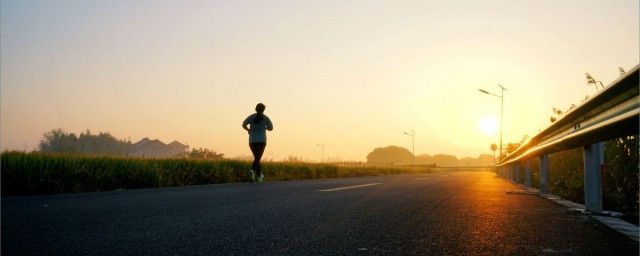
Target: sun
<point>488,125</point>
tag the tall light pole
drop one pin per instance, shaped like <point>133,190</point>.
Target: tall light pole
<point>413,144</point>
<point>501,96</point>
<point>322,147</point>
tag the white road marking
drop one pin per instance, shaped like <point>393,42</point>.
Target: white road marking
<point>349,187</point>
<point>422,178</point>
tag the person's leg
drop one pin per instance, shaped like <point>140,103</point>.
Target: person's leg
<point>257,149</point>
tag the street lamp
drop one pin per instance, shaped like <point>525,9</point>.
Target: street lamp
<point>501,96</point>
<point>413,144</point>
<point>322,147</point>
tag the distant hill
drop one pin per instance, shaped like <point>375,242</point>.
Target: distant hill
<point>394,155</point>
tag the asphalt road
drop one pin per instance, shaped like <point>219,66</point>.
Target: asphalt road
<point>446,213</point>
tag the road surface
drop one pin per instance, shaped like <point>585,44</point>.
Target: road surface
<point>455,213</point>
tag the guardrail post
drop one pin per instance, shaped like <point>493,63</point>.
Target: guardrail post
<point>593,160</point>
<point>504,172</point>
<point>527,173</point>
<point>544,174</point>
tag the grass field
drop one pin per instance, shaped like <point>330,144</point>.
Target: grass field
<point>38,173</point>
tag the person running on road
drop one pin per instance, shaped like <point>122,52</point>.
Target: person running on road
<point>257,125</point>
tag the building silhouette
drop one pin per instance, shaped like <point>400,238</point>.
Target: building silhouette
<point>158,149</point>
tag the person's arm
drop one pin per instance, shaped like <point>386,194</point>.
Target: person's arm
<point>269,125</point>
<point>245,124</point>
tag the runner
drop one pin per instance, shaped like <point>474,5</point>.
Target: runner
<point>257,125</point>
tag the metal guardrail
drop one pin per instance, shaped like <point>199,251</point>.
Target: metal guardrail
<point>611,113</point>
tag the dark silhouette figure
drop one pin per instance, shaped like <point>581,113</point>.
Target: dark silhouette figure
<point>257,125</point>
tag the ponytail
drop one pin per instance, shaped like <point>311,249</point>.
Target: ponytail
<point>258,118</point>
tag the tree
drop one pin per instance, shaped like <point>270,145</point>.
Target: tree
<point>445,160</point>
<point>204,153</point>
<point>481,160</point>
<point>59,141</point>
<point>424,159</point>
<point>390,155</point>
<point>513,146</point>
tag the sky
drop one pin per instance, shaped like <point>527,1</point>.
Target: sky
<point>352,75</point>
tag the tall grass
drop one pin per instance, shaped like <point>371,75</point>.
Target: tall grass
<point>36,173</point>
<point>40,173</point>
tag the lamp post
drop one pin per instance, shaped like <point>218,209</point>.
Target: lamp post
<point>322,147</point>
<point>501,96</point>
<point>413,144</point>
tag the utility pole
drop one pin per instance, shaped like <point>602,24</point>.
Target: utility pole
<point>413,144</point>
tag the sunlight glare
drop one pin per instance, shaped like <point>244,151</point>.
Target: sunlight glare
<point>488,125</point>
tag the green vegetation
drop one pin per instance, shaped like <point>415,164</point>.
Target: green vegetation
<point>619,176</point>
<point>204,153</point>
<point>41,173</point>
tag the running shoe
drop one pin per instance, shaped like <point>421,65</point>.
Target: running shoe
<point>261,178</point>
<point>252,176</point>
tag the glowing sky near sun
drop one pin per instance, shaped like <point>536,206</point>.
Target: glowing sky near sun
<point>353,75</point>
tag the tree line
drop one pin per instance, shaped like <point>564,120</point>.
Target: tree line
<point>394,155</point>
<point>59,141</point>
<point>103,143</point>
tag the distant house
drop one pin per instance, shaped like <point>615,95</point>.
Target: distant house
<point>157,149</point>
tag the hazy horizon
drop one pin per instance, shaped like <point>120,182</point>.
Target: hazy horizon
<point>128,141</point>
<point>353,75</point>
